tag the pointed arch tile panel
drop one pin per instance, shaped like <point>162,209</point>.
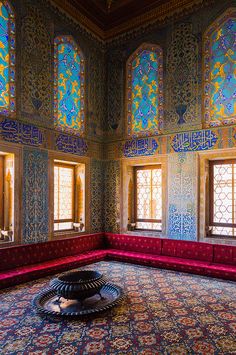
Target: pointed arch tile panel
<point>219,71</point>
<point>68,86</point>
<point>7,59</point>
<point>144,91</point>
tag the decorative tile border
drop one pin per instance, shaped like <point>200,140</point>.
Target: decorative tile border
<point>21,133</point>
<point>190,141</point>
<point>194,141</point>
<point>69,144</point>
<point>97,195</point>
<point>182,196</point>
<point>139,147</point>
<point>35,195</point>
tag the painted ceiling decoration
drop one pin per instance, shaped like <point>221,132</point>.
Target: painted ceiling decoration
<point>108,19</point>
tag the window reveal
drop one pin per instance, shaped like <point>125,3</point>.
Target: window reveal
<point>222,201</point>
<point>148,197</point>
<point>64,192</point>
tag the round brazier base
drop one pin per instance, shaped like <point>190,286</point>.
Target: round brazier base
<point>48,302</point>
<point>78,285</point>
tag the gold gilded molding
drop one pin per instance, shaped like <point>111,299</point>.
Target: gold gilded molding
<point>159,15</point>
<point>83,20</point>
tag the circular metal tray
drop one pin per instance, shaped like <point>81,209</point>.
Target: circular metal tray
<point>46,302</point>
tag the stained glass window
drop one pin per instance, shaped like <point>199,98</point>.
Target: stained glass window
<point>69,86</point>
<point>7,59</point>
<point>63,197</point>
<point>219,71</point>
<point>222,198</point>
<point>145,91</point>
<point>148,197</point>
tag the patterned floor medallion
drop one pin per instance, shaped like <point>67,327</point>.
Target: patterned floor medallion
<point>164,312</point>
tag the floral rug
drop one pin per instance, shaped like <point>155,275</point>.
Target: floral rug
<point>164,312</point>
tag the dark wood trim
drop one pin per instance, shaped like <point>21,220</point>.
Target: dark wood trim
<point>219,236</point>
<point>148,220</point>
<point>222,162</point>
<point>147,167</point>
<point>217,224</point>
<point>63,230</point>
<point>149,230</point>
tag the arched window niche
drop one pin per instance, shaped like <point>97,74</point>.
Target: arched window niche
<point>68,86</point>
<point>220,71</point>
<point>144,91</point>
<point>7,59</point>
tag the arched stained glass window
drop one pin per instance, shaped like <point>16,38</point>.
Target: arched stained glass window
<point>220,71</point>
<point>144,98</point>
<point>69,86</point>
<point>7,59</point>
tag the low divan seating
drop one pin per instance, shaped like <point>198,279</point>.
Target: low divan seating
<point>27,262</point>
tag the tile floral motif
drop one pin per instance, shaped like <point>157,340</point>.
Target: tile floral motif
<point>7,55</point>
<point>145,91</point>
<point>219,66</point>
<point>182,196</point>
<point>35,196</point>
<point>182,94</point>
<point>112,196</point>
<point>36,73</point>
<point>68,86</point>
<point>97,195</point>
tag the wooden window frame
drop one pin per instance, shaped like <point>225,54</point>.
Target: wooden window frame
<point>2,164</point>
<point>72,167</point>
<point>149,220</point>
<point>212,163</point>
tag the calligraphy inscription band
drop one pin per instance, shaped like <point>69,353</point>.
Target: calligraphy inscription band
<point>140,147</point>
<point>194,141</point>
<point>69,144</point>
<point>17,132</point>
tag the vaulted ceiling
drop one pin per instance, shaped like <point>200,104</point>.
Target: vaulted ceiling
<point>108,18</point>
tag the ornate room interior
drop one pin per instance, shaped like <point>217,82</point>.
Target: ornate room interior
<point>117,153</point>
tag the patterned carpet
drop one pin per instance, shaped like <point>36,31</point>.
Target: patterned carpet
<point>164,313</point>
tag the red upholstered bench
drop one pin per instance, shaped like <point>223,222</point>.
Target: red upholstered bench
<point>27,262</point>
<point>193,257</point>
<point>224,262</point>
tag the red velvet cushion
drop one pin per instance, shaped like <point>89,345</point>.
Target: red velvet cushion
<point>224,254</point>
<point>26,273</point>
<point>169,247</point>
<point>166,262</point>
<point>194,250</point>
<point>223,271</point>
<point>12,257</point>
<point>141,244</point>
